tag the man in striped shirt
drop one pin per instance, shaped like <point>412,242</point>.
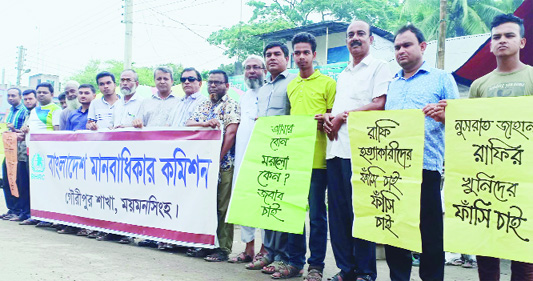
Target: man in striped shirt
<point>14,121</point>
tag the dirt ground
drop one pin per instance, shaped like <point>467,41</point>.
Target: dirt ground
<point>30,253</point>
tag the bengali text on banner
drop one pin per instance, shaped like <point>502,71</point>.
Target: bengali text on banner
<point>155,184</point>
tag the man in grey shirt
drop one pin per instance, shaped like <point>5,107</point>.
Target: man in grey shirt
<point>272,100</point>
<point>158,110</point>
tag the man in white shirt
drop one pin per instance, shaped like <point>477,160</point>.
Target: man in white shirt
<point>127,109</point>
<point>254,77</point>
<point>361,86</point>
<point>101,109</point>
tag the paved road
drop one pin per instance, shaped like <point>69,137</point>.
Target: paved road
<point>30,253</point>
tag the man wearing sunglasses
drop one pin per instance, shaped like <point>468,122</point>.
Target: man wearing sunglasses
<point>191,82</point>
<point>128,108</point>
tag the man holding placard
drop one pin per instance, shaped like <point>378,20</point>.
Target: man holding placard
<point>511,78</point>
<point>310,92</point>
<point>419,86</point>
<point>361,86</point>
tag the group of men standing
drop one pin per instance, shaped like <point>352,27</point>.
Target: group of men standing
<point>366,84</point>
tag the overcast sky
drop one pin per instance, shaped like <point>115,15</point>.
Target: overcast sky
<point>62,36</point>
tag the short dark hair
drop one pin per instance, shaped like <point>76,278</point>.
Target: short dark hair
<point>304,37</point>
<point>104,74</point>
<point>87,86</point>
<point>410,27</point>
<point>199,76</point>
<point>218,71</point>
<point>276,44</point>
<point>62,96</point>
<point>47,85</point>
<point>30,91</point>
<point>505,18</point>
<point>15,88</point>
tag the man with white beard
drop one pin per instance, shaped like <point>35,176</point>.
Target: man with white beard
<point>128,108</point>
<point>71,91</point>
<point>254,77</point>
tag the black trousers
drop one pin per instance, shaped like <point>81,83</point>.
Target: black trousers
<point>431,231</point>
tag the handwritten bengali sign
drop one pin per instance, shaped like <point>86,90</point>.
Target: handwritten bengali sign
<point>273,182</point>
<point>10,149</point>
<point>387,154</point>
<point>158,184</point>
<point>488,188</point>
<point>3,128</point>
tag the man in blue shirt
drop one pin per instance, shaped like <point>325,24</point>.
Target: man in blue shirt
<point>419,86</point>
<point>14,120</point>
<point>78,118</point>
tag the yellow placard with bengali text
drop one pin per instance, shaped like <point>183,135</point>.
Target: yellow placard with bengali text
<point>489,187</point>
<point>387,155</point>
<point>274,179</point>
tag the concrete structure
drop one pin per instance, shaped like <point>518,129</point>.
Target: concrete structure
<point>40,78</point>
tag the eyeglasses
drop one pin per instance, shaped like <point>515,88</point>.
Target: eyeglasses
<point>216,83</point>
<point>190,78</point>
<point>126,80</point>
<point>255,67</point>
<point>71,91</point>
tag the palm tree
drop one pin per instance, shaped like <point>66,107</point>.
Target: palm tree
<point>464,17</point>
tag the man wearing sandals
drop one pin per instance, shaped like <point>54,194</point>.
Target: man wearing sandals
<point>361,86</point>
<point>272,100</point>
<point>220,111</point>
<point>310,93</point>
<point>254,77</point>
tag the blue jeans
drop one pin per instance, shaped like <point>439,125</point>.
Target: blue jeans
<point>319,227</point>
<point>11,201</point>
<point>431,231</point>
<point>354,257</point>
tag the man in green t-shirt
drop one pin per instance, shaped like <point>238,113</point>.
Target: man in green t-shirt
<point>511,78</point>
<point>310,93</point>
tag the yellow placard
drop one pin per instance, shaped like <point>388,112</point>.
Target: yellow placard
<point>488,187</point>
<point>387,155</point>
<point>273,182</point>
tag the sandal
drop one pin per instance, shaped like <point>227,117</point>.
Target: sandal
<point>218,256</point>
<point>258,256</point>
<point>314,275</point>
<point>241,258</point>
<point>286,271</point>
<point>272,268</point>
<point>259,263</point>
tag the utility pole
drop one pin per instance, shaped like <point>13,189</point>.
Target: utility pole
<point>442,35</point>
<point>128,38</point>
<point>20,63</point>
